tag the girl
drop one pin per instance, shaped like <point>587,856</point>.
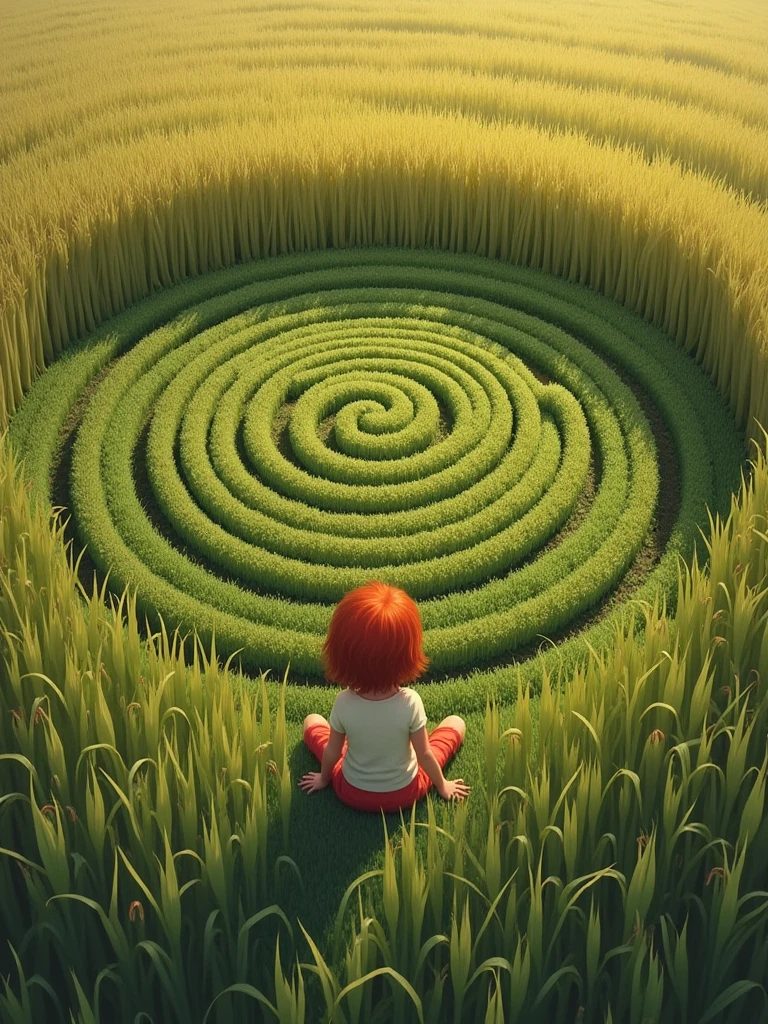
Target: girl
<point>375,749</point>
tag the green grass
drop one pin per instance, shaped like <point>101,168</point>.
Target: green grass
<point>301,425</point>
<point>154,835</point>
<point>257,546</point>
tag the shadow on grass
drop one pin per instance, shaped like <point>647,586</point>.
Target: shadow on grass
<point>332,845</point>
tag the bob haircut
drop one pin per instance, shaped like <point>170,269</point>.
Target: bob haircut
<point>374,640</point>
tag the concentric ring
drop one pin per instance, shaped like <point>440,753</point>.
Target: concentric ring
<point>307,423</point>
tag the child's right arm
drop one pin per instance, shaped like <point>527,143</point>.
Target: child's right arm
<point>455,789</point>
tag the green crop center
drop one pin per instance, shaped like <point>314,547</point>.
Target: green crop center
<point>250,445</point>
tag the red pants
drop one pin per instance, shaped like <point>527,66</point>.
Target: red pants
<point>444,741</point>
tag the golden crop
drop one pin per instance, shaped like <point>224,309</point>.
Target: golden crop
<point>621,145</point>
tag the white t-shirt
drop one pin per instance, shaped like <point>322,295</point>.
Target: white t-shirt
<point>379,754</point>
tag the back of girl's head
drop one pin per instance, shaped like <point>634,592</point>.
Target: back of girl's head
<point>374,640</point>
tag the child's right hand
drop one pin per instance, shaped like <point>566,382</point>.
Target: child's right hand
<point>454,789</point>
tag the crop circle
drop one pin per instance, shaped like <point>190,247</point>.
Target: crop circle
<point>248,446</point>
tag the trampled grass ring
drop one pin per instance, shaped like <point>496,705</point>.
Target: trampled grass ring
<point>476,433</point>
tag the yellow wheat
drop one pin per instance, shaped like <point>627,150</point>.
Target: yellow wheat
<point>620,145</point>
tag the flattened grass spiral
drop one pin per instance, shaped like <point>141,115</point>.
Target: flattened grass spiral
<point>307,423</point>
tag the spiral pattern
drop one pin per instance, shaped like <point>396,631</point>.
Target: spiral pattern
<point>254,444</point>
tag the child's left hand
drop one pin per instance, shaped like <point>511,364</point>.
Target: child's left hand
<point>312,781</point>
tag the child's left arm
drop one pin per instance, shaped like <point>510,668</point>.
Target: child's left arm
<point>319,780</point>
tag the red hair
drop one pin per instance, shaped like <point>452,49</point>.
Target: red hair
<point>374,640</point>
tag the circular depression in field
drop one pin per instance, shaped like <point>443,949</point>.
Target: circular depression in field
<point>246,447</point>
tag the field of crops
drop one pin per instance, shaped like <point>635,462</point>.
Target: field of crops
<point>471,299</point>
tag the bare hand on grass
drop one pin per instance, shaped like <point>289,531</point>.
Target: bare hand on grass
<point>455,789</point>
<point>312,781</point>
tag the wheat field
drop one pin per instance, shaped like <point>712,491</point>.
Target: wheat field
<point>621,146</point>
<point>470,297</point>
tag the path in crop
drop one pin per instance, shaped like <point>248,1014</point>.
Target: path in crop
<point>248,446</point>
